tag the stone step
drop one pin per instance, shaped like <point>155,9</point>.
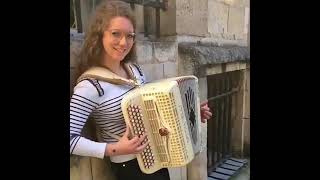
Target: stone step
<point>224,171</point>
<point>234,163</point>
<point>219,176</point>
<point>227,169</point>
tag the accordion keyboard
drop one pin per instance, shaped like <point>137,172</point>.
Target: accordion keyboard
<point>135,116</point>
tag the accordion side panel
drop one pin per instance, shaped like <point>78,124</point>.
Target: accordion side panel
<point>197,145</point>
<point>189,89</point>
<point>184,145</point>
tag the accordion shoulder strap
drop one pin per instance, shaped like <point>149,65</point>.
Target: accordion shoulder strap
<point>104,74</point>
<point>96,84</point>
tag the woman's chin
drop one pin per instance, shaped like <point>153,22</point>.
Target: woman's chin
<point>118,58</point>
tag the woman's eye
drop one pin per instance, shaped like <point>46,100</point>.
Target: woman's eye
<point>116,34</point>
<point>130,36</point>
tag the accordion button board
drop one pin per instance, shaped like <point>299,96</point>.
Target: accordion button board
<point>168,112</point>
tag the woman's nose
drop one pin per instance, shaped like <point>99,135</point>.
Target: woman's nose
<point>123,41</point>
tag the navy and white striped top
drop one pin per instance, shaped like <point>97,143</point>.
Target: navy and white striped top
<point>105,110</point>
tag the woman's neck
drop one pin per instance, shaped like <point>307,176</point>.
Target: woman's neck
<point>113,66</point>
<point>116,68</point>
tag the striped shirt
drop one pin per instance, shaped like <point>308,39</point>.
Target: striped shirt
<point>104,109</point>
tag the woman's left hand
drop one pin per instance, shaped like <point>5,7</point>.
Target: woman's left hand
<point>205,111</point>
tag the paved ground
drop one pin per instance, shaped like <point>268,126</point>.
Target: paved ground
<point>243,174</point>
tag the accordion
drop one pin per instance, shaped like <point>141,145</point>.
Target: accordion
<point>168,111</point>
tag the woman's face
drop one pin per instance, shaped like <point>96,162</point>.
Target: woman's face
<point>118,39</point>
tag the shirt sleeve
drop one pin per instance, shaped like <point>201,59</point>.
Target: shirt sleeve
<point>83,101</point>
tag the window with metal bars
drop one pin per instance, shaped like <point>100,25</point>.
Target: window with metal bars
<point>76,19</point>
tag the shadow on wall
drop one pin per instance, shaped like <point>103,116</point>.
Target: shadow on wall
<point>85,167</point>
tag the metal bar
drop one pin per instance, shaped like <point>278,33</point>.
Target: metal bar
<point>216,123</point>
<point>229,106</point>
<point>219,106</point>
<point>228,114</point>
<point>211,129</point>
<point>223,121</point>
<point>212,124</point>
<point>154,4</point>
<point>132,6</point>
<point>217,140</point>
<point>223,94</point>
<point>157,22</point>
<point>145,21</point>
<point>78,16</point>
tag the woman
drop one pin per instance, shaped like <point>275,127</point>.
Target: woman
<point>109,43</point>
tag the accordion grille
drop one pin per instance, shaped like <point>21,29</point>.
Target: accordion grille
<point>176,155</point>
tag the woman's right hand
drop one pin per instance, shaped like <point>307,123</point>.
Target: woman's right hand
<point>125,145</point>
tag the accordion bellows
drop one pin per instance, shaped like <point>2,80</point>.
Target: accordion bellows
<point>168,111</point>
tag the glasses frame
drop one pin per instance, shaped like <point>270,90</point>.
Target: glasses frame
<point>123,34</point>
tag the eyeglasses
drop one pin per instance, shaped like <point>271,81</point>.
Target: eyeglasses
<point>117,35</point>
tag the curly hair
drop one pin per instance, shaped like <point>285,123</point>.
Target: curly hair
<point>92,50</point>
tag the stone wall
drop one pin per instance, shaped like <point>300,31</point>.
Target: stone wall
<point>217,20</point>
<point>192,17</point>
<point>228,19</point>
<point>157,59</point>
<point>162,59</point>
<point>199,38</point>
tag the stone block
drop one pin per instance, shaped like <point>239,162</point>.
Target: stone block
<point>236,22</point>
<point>217,17</point>
<point>138,12</point>
<point>168,19</point>
<point>80,168</point>
<point>170,69</point>
<point>152,71</point>
<point>101,169</point>
<point>144,52</point>
<point>178,173</point>
<point>197,168</point>
<point>165,51</point>
<point>192,17</point>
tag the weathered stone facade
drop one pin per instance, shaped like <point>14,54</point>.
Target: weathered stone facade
<point>201,38</point>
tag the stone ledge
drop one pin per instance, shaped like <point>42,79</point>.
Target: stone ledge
<point>209,54</point>
<point>197,57</point>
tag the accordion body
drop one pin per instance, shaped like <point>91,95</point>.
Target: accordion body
<point>168,111</point>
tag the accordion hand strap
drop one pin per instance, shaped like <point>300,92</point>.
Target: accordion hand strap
<point>105,74</point>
